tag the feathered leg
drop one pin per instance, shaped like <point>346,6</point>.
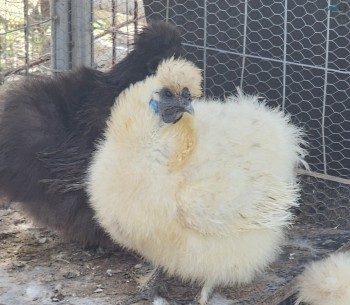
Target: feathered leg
<point>149,291</point>
<point>206,292</point>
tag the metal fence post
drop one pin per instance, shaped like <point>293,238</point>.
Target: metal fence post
<point>61,35</point>
<point>82,38</point>
<point>72,39</point>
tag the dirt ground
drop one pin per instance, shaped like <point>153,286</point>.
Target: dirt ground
<point>39,267</point>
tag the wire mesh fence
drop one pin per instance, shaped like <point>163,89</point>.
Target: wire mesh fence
<point>43,36</point>
<point>24,36</point>
<point>116,22</point>
<point>295,53</point>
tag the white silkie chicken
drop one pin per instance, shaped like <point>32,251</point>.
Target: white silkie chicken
<point>326,282</point>
<point>206,196</point>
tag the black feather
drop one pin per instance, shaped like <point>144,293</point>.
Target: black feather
<point>49,128</point>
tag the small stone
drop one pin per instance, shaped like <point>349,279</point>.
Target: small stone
<point>160,301</point>
<point>42,240</point>
<point>58,288</point>
<point>19,264</point>
<point>57,297</point>
<point>98,290</point>
<point>70,275</point>
<point>138,266</point>
<point>109,272</point>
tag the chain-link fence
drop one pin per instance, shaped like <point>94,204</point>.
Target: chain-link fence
<point>295,53</point>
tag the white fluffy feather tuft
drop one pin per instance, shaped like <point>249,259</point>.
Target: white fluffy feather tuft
<point>326,282</point>
<point>175,74</point>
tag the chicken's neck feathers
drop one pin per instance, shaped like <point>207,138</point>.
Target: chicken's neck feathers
<point>185,137</point>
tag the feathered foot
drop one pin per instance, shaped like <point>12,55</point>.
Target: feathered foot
<point>205,294</point>
<point>149,291</point>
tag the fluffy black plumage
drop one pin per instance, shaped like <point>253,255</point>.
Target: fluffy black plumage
<point>48,129</point>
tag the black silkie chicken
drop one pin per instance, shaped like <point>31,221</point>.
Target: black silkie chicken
<point>48,130</point>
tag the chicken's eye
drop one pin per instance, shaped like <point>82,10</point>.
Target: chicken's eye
<point>168,93</point>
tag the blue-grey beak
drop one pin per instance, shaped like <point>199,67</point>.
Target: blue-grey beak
<point>186,101</point>
<point>189,109</point>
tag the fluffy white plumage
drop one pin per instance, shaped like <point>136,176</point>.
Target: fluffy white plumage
<point>206,198</point>
<point>326,282</point>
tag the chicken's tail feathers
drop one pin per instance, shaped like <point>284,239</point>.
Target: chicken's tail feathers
<point>158,36</point>
<point>157,41</point>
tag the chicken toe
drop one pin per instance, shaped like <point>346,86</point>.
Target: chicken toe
<point>149,291</point>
